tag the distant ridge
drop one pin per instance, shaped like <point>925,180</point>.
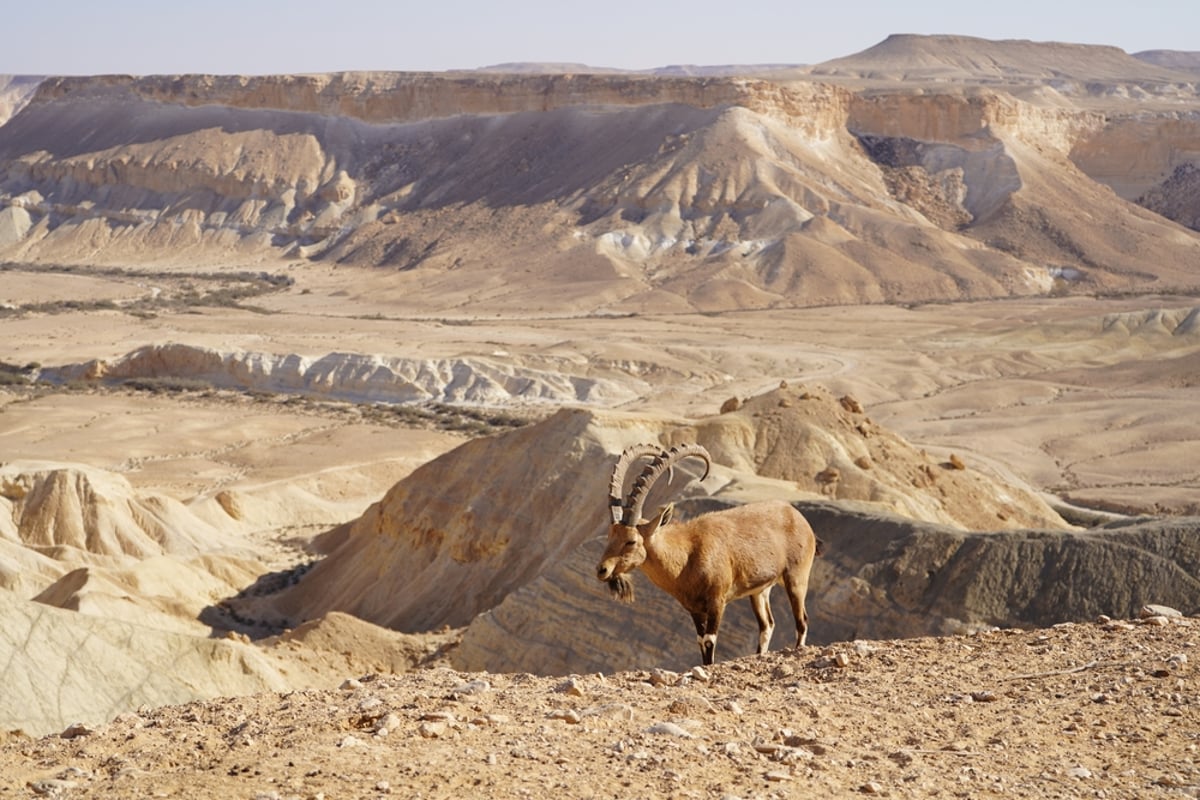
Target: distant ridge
<point>909,55</point>
<point>1179,60</point>
<point>668,71</point>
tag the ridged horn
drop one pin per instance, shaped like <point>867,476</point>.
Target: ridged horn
<point>616,490</point>
<point>654,470</point>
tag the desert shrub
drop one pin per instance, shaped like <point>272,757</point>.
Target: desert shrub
<point>167,384</point>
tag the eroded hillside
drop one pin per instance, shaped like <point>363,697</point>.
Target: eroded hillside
<point>577,193</point>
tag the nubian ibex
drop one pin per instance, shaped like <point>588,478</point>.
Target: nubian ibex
<point>708,561</point>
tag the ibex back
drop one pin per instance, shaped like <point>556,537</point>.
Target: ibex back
<point>712,559</point>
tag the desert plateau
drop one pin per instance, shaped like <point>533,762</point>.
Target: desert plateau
<point>312,387</point>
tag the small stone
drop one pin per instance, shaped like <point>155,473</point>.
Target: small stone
<point>984,697</point>
<point>77,730</point>
<point>1156,621</point>
<point>669,729</point>
<point>700,674</point>
<point>663,677</point>
<point>432,730</point>
<point>52,787</point>
<point>570,686</point>
<point>1079,772</point>
<point>383,786</point>
<point>871,787</point>
<point>472,687</point>
<point>130,719</point>
<point>956,462</point>
<point>569,715</point>
<point>841,660</point>
<point>778,776</point>
<point>734,707</point>
<point>611,711</point>
<point>1176,661</point>
<point>439,716</point>
<point>351,685</point>
<point>492,719</point>
<point>1153,610</point>
<point>387,723</point>
<point>348,742</point>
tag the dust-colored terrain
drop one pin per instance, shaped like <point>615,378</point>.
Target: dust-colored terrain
<point>1078,711</point>
<point>317,378</point>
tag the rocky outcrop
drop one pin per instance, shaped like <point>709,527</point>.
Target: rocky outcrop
<point>93,514</point>
<point>63,668</point>
<point>360,377</point>
<point>830,446</point>
<point>15,92</point>
<point>881,576</point>
<point>516,521</point>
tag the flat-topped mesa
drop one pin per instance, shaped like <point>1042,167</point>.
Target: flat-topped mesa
<point>380,97</point>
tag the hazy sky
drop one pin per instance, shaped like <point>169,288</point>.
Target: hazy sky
<point>264,36</point>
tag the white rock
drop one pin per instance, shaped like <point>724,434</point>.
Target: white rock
<point>472,687</point>
<point>669,729</point>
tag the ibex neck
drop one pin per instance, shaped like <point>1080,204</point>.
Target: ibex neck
<point>666,557</point>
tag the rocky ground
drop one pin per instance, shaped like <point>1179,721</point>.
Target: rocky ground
<point>1105,709</point>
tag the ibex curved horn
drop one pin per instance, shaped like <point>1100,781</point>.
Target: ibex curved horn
<point>616,490</point>
<point>662,462</point>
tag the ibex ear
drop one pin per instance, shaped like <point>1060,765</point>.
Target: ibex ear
<point>664,516</point>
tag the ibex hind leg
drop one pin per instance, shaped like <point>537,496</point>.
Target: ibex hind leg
<point>761,603</point>
<point>797,587</point>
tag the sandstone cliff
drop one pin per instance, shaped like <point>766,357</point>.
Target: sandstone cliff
<point>620,192</point>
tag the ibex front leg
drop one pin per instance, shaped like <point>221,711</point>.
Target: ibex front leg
<point>707,623</point>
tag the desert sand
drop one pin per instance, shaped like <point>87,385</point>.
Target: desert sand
<point>304,436</point>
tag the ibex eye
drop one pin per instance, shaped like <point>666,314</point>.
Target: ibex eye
<point>630,544</point>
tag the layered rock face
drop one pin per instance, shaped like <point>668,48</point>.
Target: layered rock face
<point>853,183</point>
<point>502,535</point>
<point>881,576</point>
<point>356,377</point>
